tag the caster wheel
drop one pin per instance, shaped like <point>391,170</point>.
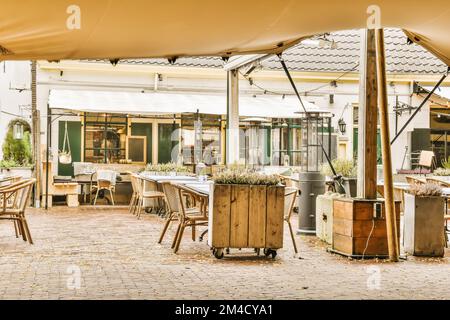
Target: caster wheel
<point>218,253</point>
<point>274,254</point>
<point>266,252</point>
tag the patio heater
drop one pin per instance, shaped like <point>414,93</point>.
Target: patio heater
<point>255,139</point>
<point>315,134</point>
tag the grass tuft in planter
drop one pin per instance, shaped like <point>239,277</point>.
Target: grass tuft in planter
<point>426,190</point>
<point>243,176</point>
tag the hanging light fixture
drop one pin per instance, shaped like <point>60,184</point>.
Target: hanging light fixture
<point>18,131</point>
<point>342,125</point>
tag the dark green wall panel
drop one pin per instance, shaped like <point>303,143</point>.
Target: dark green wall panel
<point>74,130</point>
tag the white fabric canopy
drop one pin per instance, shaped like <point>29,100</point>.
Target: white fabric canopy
<point>160,103</point>
<point>67,29</point>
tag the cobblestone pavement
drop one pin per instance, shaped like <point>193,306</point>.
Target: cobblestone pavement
<point>118,257</point>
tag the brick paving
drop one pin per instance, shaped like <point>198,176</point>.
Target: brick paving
<point>118,258</point>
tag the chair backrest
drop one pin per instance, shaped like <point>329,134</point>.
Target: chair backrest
<point>25,195</point>
<point>137,183</point>
<point>171,196</point>
<point>17,195</point>
<point>290,194</point>
<point>426,158</point>
<point>107,175</point>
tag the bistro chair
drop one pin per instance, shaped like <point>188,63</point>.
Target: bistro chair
<point>134,195</point>
<point>13,201</point>
<point>290,195</point>
<point>106,180</point>
<point>173,208</point>
<point>142,195</point>
<point>185,219</point>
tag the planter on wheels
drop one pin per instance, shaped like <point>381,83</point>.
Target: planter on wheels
<point>246,216</point>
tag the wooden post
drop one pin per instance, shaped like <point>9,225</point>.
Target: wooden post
<point>36,137</point>
<point>367,118</point>
<point>232,143</point>
<point>386,149</point>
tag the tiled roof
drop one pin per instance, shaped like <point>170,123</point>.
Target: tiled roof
<point>401,58</point>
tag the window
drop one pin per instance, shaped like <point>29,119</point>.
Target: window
<point>105,138</point>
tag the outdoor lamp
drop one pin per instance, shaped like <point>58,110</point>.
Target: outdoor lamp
<point>18,131</point>
<point>342,125</point>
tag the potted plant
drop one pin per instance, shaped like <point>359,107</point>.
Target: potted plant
<point>247,211</point>
<point>424,221</point>
<point>347,170</point>
<point>17,154</point>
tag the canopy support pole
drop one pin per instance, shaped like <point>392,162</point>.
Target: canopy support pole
<point>367,118</point>
<point>291,81</point>
<point>49,125</point>
<point>232,134</point>
<point>389,202</point>
<point>420,106</point>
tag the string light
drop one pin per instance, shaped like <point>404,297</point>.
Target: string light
<point>265,91</point>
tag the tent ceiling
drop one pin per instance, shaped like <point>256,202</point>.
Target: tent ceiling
<point>159,103</point>
<point>151,28</point>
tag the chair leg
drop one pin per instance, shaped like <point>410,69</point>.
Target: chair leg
<point>130,207</point>
<point>292,236</point>
<point>96,195</point>
<point>112,198</point>
<point>166,226</point>
<point>27,230</point>
<point>193,233</point>
<point>180,236</point>
<point>174,241</point>
<point>141,202</point>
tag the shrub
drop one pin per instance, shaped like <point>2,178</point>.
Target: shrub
<point>343,167</point>
<point>446,163</point>
<point>18,151</point>
<point>426,190</point>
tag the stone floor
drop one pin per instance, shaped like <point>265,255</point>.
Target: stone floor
<point>105,253</point>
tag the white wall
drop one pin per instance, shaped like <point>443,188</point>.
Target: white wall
<point>14,75</point>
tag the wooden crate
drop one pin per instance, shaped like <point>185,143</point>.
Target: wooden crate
<point>247,216</point>
<point>353,223</point>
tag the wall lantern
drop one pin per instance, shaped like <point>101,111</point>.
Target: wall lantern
<point>18,131</point>
<point>342,125</point>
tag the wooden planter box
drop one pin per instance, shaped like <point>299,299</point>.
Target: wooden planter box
<point>353,220</point>
<point>424,221</point>
<point>247,216</point>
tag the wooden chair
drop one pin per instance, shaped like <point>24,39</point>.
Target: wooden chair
<point>142,195</point>
<point>173,208</point>
<point>13,202</point>
<point>290,196</point>
<point>185,219</point>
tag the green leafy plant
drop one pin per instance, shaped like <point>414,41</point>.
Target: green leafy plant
<point>426,190</point>
<point>8,164</point>
<point>446,163</point>
<point>245,176</point>
<point>18,150</point>
<point>343,167</point>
